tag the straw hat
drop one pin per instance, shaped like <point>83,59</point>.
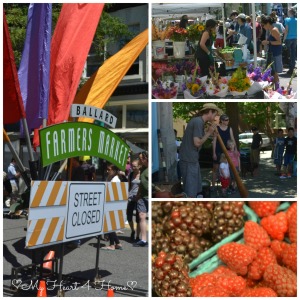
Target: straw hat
<point>207,106</point>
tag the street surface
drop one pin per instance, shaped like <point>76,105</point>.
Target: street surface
<point>126,270</point>
<point>264,184</point>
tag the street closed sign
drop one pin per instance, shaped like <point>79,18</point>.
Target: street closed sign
<point>85,209</point>
<point>64,211</point>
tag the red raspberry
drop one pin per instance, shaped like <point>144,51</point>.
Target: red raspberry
<point>255,236</point>
<point>276,225</point>
<point>265,256</point>
<point>211,291</point>
<point>293,227</point>
<point>282,280</point>
<point>205,279</point>
<point>264,208</point>
<point>234,285</point>
<point>237,256</point>
<point>223,270</point>
<point>289,257</point>
<point>259,292</point>
<point>290,210</point>
<point>278,248</point>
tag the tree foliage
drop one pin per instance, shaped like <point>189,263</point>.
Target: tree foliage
<point>110,29</point>
<point>259,114</point>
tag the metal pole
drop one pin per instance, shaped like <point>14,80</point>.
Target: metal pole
<point>254,35</point>
<point>61,292</point>
<point>97,276</point>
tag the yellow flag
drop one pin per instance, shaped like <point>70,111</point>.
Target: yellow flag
<point>98,89</point>
<point>6,139</point>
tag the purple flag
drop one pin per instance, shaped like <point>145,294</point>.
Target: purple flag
<point>34,71</point>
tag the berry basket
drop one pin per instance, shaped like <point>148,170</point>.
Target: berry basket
<point>208,261</point>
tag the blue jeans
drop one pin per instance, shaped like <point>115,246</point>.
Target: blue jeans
<point>292,46</point>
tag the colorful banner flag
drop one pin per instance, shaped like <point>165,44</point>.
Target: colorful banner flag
<point>13,109</point>
<point>34,70</point>
<point>70,45</point>
<point>98,89</point>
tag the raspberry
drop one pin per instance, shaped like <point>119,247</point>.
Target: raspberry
<point>264,208</point>
<point>223,270</point>
<point>278,248</point>
<point>293,227</point>
<point>290,210</point>
<point>234,285</point>
<point>227,282</point>
<point>265,256</point>
<point>211,291</point>
<point>289,257</point>
<point>259,292</point>
<point>282,280</point>
<point>276,225</point>
<point>237,256</point>
<point>255,236</point>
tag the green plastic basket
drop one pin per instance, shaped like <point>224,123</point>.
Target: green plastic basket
<point>208,261</point>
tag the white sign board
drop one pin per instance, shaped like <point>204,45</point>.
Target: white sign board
<point>85,209</point>
<point>87,111</point>
<point>62,211</point>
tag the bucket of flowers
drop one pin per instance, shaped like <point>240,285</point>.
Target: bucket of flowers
<point>239,83</point>
<point>165,89</point>
<point>259,79</point>
<point>217,86</point>
<point>281,92</point>
<point>194,87</point>
<point>163,71</point>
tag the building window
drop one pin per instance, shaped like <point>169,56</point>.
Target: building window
<point>130,115</point>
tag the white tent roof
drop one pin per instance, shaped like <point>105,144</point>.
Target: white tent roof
<point>176,10</point>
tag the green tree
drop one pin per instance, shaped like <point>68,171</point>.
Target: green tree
<point>109,30</point>
<point>243,115</point>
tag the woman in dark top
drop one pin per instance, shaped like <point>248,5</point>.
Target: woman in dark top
<point>226,134</point>
<point>204,53</point>
<point>274,48</point>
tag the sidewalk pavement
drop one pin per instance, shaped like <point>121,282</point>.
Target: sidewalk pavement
<point>264,184</point>
<point>126,271</point>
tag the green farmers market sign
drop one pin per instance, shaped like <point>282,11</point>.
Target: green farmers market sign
<point>71,139</point>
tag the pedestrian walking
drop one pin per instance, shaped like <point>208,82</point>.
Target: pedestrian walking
<point>194,137</point>
<point>255,148</point>
<point>290,143</point>
<point>278,151</point>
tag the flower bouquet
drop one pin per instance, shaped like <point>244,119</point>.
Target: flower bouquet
<point>259,80</point>
<point>177,34</point>
<point>165,90</point>
<point>194,87</point>
<point>195,31</point>
<point>239,83</point>
<point>163,70</point>
<point>158,34</point>
<point>217,86</point>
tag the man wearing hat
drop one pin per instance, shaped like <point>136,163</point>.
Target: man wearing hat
<point>193,139</point>
<point>244,29</point>
<point>234,27</point>
<point>255,148</point>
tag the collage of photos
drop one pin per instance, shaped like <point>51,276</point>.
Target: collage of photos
<point>119,119</point>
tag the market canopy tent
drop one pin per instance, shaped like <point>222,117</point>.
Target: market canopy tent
<point>176,10</point>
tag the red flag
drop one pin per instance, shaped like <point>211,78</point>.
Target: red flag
<point>70,45</point>
<point>13,109</point>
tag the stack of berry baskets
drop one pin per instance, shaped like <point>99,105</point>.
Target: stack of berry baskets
<point>259,260</point>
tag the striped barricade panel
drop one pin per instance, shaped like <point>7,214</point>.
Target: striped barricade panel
<point>46,225</point>
<point>115,206</point>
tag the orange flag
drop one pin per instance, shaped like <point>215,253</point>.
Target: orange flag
<point>70,45</point>
<point>98,89</point>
